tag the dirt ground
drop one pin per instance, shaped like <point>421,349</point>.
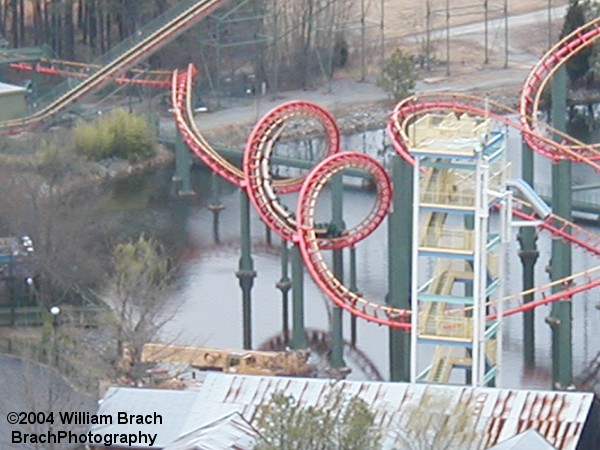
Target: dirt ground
<point>405,25</point>
<point>404,17</point>
<point>365,103</point>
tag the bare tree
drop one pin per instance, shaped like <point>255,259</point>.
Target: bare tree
<point>438,422</point>
<point>64,23</point>
<point>308,38</point>
<point>136,294</point>
<point>46,197</point>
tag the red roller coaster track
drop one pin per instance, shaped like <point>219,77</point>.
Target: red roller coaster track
<point>310,245</point>
<point>410,109</point>
<point>117,66</point>
<point>150,78</point>
<point>256,179</point>
<point>300,227</point>
<point>257,172</point>
<point>539,78</point>
<point>264,135</point>
<point>181,98</point>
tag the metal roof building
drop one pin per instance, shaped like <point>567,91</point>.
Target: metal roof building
<point>528,439</point>
<point>566,420</point>
<point>559,417</point>
<point>13,101</point>
<point>181,412</point>
<point>230,432</point>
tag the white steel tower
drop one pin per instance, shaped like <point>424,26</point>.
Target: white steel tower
<point>461,219</point>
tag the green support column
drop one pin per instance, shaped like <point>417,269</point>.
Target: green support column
<point>337,332</point>
<point>215,205</point>
<point>560,266</point>
<point>284,285</point>
<point>298,331</point>
<point>183,164</point>
<point>528,254</point>
<point>399,265</point>
<point>268,235</point>
<point>246,272</point>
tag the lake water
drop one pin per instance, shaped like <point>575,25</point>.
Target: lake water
<point>207,304</point>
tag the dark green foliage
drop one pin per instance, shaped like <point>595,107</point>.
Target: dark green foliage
<point>437,421</point>
<point>120,135</point>
<point>399,76</point>
<point>341,423</point>
<point>579,13</point>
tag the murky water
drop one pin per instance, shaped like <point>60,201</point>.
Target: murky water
<point>207,306</point>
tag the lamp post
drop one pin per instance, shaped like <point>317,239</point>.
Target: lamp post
<point>55,311</point>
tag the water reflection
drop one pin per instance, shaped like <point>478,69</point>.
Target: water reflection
<point>209,298</point>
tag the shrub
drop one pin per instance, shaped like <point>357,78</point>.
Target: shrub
<point>119,135</point>
<point>340,422</point>
<point>398,76</point>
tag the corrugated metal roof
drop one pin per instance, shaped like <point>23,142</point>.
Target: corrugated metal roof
<point>529,439</point>
<point>182,413</point>
<point>175,407</point>
<point>501,413</point>
<point>229,432</point>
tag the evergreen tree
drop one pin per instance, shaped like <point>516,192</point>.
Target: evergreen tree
<point>340,423</point>
<point>578,14</point>
<point>399,76</point>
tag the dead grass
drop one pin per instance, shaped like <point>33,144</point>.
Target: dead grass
<point>405,17</point>
<point>405,24</point>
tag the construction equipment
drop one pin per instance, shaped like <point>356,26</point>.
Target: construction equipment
<point>251,362</point>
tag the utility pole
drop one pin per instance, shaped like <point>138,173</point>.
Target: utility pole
<point>363,31</point>
<point>448,37</point>
<point>505,34</point>
<point>427,34</point>
<point>486,59</point>
<point>382,31</point>
<point>549,24</point>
